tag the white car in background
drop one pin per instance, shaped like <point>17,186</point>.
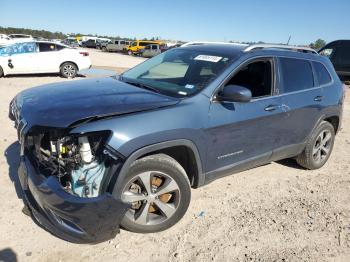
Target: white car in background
<point>20,38</point>
<point>42,57</point>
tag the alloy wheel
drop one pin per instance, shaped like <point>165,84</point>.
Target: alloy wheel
<point>69,70</point>
<point>154,197</point>
<point>322,146</point>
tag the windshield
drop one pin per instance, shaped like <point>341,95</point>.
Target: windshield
<point>178,72</point>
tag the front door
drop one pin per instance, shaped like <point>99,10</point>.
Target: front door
<point>246,133</point>
<point>22,59</point>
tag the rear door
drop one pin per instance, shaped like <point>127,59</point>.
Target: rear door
<point>302,100</point>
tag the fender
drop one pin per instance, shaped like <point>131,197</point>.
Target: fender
<point>318,122</point>
<point>151,148</point>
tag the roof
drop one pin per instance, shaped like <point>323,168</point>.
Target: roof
<point>233,49</point>
<point>218,48</point>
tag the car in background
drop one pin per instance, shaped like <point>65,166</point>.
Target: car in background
<point>4,40</point>
<point>339,53</point>
<point>90,43</point>
<point>72,42</point>
<point>20,38</point>
<point>153,50</point>
<point>117,46</point>
<point>42,57</point>
<point>100,44</point>
<point>136,47</point>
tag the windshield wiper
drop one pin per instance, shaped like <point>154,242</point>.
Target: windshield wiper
<point>141,85</point>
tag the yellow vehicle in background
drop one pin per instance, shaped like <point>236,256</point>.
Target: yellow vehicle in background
<point>138,45</point>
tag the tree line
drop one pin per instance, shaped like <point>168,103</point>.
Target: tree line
<point>319,43</point>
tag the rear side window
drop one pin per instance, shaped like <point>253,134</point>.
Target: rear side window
<point>60,47</point>
<point>47,47</point>
<point>296,74</point>
<point>322,74</point>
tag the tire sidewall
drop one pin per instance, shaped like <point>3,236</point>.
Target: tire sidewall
<point>163,166</point>
<point>322,127</point>
<point>62,72</point>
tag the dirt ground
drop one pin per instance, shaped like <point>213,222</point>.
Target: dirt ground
<point>277,212</point>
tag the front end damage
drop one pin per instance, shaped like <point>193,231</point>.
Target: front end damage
<point>68,180</point>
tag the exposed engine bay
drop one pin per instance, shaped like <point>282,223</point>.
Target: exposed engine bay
<point>80,163</point>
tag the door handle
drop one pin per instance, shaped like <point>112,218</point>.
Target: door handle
<point>271,108</point>
<point>318,98</point>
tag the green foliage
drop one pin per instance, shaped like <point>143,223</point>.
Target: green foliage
<point>49,35</point>
<point>34,33</point>
<point>318,44</point>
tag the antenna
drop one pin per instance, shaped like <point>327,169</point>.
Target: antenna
<point>289,39</point>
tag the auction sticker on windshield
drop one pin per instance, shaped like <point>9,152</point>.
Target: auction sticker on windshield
<point>209,58</point>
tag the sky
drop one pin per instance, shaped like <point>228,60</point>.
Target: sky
<point>271,21</point>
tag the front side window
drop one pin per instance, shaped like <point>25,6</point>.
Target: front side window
<point>296,74</point>
<point>256,76</point>
<point>322,74</point>
<point>178,72</point>
<point>47,47</point>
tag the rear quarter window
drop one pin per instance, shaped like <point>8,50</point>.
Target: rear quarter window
<point>322,74</point>
<point>296,74</point>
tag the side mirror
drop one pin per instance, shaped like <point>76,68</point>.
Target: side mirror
<point>234,93</point>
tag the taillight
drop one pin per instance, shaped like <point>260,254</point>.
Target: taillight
<point>84,53</point>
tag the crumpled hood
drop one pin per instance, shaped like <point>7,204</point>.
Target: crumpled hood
<point>62,104</point>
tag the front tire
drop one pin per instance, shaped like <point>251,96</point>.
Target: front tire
<point>158,191</point>
<point>130,52</point>
<point>1,72</point>
<point>318,148</point>
<point>68,70</point>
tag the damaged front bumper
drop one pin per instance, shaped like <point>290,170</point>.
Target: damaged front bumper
<point>72,218</point>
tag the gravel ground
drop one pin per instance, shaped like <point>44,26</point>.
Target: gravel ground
<point>277,212</point>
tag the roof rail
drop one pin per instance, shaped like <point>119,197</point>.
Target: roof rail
<point>207,42</point>
<point>288,47</point>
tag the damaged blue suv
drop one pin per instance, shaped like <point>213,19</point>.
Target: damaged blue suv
<point>125,151</point>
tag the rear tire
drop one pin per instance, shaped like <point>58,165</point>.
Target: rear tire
<point>1,72</point>
<point>68,70</point>
<point>163,202</point>
<point>318,147</point>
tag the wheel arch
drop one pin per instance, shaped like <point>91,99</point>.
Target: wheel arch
<point>191,161</point>
<point>333,119</point>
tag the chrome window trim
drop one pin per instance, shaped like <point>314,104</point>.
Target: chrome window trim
<point>213,96</point>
